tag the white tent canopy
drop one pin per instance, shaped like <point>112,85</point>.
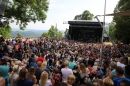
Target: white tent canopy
<point>124,13</point>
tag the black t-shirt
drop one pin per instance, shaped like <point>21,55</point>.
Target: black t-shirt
<point>25,82</point>
<point>38,73</point>
<point>90,62</point>
<point>127,69</point>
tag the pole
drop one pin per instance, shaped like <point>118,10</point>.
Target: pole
<point>109,37</point>
<point>103,30</point>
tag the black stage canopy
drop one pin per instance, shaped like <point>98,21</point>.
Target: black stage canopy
<point>85,30</point>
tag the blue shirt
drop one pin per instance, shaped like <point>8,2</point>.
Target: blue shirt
<point>33,64</point>
<point>113,72</point>
<point>71,65</point>
<point>4,70</point>
<point>117,81</point>
<point>25,82</point>
<point>100,72</point>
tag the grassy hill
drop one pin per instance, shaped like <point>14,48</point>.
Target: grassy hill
<point>28,33</point>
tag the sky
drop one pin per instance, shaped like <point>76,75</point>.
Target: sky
<point>64,10</point>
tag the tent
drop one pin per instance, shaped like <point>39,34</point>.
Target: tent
<point>124,13</point>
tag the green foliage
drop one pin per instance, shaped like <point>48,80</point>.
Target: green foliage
<point>86,15</point>
<point>66,31</point>
<point>5,31</point>
<point>53,32</point>
<point>122,22</point>
<point>19,35</point>
<point>45,34</point>
<point>112,31</point>
<point>59,34</point>
<point>25,11</point>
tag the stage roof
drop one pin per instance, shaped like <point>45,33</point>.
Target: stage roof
<point>83,22</point>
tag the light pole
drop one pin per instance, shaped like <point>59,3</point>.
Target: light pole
<point>103,30</point>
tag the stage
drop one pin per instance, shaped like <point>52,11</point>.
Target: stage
<point>87,31</point>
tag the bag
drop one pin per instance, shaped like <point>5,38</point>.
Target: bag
<point>85,80</point>
<point>82,80</point>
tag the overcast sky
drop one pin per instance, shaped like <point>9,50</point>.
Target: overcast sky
<point>65,10</point>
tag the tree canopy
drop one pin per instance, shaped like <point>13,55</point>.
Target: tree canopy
<point>112,31</point>
<point>122,31</point>
<point>25,11</point>
<point>52,32</point>
<point>86,15</point>
<point>5,31</point>
<point>19,35</point>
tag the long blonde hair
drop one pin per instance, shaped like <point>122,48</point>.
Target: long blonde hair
<point>44,64</point>
<point>70,79</point>
<point>108,82</point>
<point>43,78</point>
<point>82,68</point>
<point>31,72</point>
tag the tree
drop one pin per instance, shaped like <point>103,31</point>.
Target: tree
<point>19,35</point>
<point>5,31</point>
<point>45,34</point>
<point>66,31</point>
<point>25,11</point>
<point>59,34</point>
<point>53,32</point>
<point>112,31</point>
<point>122,22</point>
<point>86,15</point>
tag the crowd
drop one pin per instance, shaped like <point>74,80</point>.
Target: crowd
<point>57,62</point>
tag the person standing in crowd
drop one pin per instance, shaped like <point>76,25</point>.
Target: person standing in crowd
<point>121,63</point>
<point>127,70</point>
<point>108,82</point>
<point>77,75</point>
<point>66,71</point>
<point>100,72</point>
<point>13,76</point>
<point>57,78</point>
<point>70,80</point>
<point>38,71</point>
<point>33,63</point>
<point>10,49</point>
<point>71,63</point>
<point>4,68</point>
<point>6,57</point>
<point>31,75</point>
<point>44,79</point>
<point>120,76</point>
<point>22,78</point>
<point>112,69</point>
<point>84,73</point>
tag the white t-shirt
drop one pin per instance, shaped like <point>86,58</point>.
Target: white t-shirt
<point>84,74</point>
<point>121,65</point>
<point>65,73</point>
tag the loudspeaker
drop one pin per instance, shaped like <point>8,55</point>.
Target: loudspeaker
<point>1,24</point>
<point>2,8</point>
